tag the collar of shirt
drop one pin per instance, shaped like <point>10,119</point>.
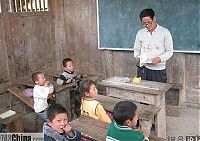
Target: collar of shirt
<point>157,27</point>
<point>69,72</point>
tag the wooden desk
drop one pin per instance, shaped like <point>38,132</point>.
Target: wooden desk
<point>14,123</point>
<point>96,130</point>
<point>90,128</point>
<point>149,92</point>
<point>55,75</point>
<point>62,93</point>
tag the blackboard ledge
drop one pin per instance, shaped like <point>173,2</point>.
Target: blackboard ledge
<point>186,51</point>
<point>119,49</point>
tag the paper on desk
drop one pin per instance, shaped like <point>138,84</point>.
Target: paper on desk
<point>121,79</point>
<point>7,114</point>
<point>144,59</point>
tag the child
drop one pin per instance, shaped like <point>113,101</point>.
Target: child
<point>41,91</point>
<point>57,127</point>
<point>88,105</point>
<point>69,76</point>
<point>125,119</point>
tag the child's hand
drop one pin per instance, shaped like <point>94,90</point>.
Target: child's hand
<point>69,80</point>
<point>46,84</point>
<point>68,130</point>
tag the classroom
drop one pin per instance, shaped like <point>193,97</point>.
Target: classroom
<point>99,36</point>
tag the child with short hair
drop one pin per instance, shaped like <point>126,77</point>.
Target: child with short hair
<point>125,119</point>
<point>57,127</point>
<point>89,106</point>
<point>41,91</point>
<point>70,76</point>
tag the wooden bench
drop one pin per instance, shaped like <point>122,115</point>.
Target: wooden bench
<point>96,130</point>
<point>146,112</point>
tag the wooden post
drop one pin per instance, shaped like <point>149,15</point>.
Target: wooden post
<point>16,8</point>
<point>0,7</point>
<point>26,6</point>
<point>20,6</point>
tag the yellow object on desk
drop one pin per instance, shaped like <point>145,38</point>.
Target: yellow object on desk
<point>136,80</point>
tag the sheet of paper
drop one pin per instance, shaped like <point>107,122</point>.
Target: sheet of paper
<point>7,114</point>
<point>144,59</point>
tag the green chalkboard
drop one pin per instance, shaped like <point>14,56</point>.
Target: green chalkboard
<point>118,22</point>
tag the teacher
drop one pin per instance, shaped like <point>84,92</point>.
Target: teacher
<point>153,47</point>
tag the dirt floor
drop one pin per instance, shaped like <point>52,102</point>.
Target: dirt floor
<point>186,124</point>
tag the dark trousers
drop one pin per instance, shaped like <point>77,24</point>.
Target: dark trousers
<point>75,102</point>
<point>152,75</point>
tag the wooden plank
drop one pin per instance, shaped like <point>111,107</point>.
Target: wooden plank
<point>59,33</point>
<point>3,56</point>
<point>146,112</point>
<point>127,94</point>
<point>11,69</point>
<point>91,128</point>
<point>119,59</point>
<point>18,93</point>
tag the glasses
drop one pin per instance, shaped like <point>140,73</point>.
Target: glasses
<point>147,23</point>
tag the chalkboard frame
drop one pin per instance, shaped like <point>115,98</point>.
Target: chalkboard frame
<point>131,49</point>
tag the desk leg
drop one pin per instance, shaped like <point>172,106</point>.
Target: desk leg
<point>160,121</point>
<point>63,98</point>
<point>11,99</point>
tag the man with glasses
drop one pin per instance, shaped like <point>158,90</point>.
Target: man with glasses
<point>153,47</point>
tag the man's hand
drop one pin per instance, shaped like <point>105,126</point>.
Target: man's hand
<point>137,60</point>
<point>156,60</point>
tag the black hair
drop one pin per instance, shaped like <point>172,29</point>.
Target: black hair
<point>54,110</point>
<point>124,110</point>
<point>147,13</point>
<point>35,75</point>
<point>78,95</point>
<point>65,61</point>
<point>85,86</point>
